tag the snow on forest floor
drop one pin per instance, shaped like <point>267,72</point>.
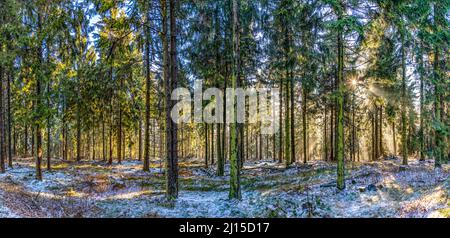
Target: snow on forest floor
<point>94,189</point>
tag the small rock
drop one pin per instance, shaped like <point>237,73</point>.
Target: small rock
<point>362,189</point>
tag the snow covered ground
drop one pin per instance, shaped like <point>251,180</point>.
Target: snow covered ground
<point>94,189</point>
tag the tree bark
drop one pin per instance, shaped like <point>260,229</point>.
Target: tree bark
<point>340,100</point>
<point>235,187</point>
<point>2,129</point>
<point>8,107</point>
<point>171,83</point>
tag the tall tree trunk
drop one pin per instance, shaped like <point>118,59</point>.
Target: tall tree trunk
<point>380,132</point>
<point>340,100</point>
<point>259,139</point>
<point>38,136</point>
<point>439,24</point>
<point>119,127</point>
<point>403,100</point>
<point>221,160</point>
<point>78,131</point>
<point>377,149</point>
<point>235,187</point>
<point>2,129</point>
<point>421,88</point>
<point>14,140</point>
<point>103,138</point>
<point>280,133</point>
<point>8,107</point>
<point>287,128</point>
<point>332,122</point>
<point>25,141</point>
<point>93,143</point>
<point>147,93</point>
<point>304,123</point>
<point>394,138</point>
<point>111,128</point>
<point>353,128</point>
<point>33,141</point>
<point>220,165</point>
<point>140,141</point>
<point>206,145</point>
<point>325,136</point>
<point>292,116</point>
<point>49,133</point>
<point>171,83</point>
<point>212,144</point>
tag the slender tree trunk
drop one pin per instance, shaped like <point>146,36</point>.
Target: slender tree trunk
<point>33,141</point>
<point>332,123</point>
<point>439,23</point>
<point>353,128</point>
<point>304,122</point>
<point>206,145</point>
<point>2,129</point>
<point>380,133</point>
<point>292,116</point>
<point>25,141</point>
<point>259,140</point>
<point>78,132</point>
<point>394,138</point>
<point>340,100</point>
<point>212,144</point>
<point>171,83</point>
<point>274,142</point>
<point>111,128</point>
<point>38,136</point>
<point>375,120</point>
<point>403,100</point>
<point>147,94</point>
<point>287,129</point>
<point>14,140</point>
<point>220,164</point>
<point>325,136</point>
<point>140,141</point>
<point>119,127</point>
<point>235,187</point>
<point>49,131</point>
<point>421,132</point>
<point>280,133</point>
<point>103,139</point>
<point>8,107</point>
<point>93,143</point>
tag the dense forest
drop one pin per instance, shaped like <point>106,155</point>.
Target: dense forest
<point>86,99</point>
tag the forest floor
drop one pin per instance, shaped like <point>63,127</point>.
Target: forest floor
<point>94,189</point>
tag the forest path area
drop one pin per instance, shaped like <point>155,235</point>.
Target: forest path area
<point>94,189</point>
